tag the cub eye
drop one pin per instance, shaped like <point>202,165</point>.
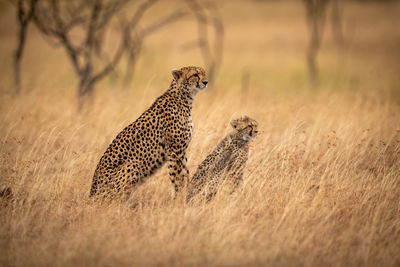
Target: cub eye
<point>196,75</point>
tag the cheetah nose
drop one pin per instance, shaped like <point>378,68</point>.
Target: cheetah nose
<point>205,82</point>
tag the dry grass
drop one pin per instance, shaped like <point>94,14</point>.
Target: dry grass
<point>322,185</point>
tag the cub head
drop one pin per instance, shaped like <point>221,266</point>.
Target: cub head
<point>192,78</point>
<point>246,127</point>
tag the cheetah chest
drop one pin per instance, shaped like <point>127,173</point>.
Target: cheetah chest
<point>187,127</point>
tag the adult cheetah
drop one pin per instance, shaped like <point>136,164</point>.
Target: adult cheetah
<point>227,162</point>
<point>162,133</point>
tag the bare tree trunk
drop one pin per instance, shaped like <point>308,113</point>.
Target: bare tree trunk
<point>24,18</point>
<point>18,56</point>
<point>131,63</point>
<point>85,92</point>
<point>337,22</point>
<point>316,22</point>
<point>312,52</point>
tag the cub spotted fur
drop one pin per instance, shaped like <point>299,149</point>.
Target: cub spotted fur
<point>227,162</point>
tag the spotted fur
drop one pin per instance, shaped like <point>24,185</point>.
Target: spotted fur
<point>226,163</point>
<point>162,133</point>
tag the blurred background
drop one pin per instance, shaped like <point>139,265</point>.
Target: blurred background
<point>78,48</point>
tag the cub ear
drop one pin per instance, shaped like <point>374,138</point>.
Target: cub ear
<point>177,74</point>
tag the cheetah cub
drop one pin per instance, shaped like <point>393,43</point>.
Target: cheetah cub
<point>226,163</point>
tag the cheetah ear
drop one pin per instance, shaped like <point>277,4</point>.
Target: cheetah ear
<point>177,74</point>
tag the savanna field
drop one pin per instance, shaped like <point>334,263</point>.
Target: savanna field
<point>322,183</point>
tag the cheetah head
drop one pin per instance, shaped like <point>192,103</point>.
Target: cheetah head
<point>246,127</point>
<point>192,78</point>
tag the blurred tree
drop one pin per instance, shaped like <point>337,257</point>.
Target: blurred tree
<point>316,17</point>
<point>207,15</point>
<point>316,22</point>
<point>25,12</point>
<point>56,19</point>
<point>134,39</point>
<point>337,22</point>
<point>79,27</point>
<point>89,19</point>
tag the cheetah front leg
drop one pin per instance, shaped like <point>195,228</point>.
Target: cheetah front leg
<point>177,169</point>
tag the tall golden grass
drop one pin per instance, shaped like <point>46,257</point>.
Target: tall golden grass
<point>321,187</point>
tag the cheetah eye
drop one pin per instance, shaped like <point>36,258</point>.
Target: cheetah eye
<point>196,75</point>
